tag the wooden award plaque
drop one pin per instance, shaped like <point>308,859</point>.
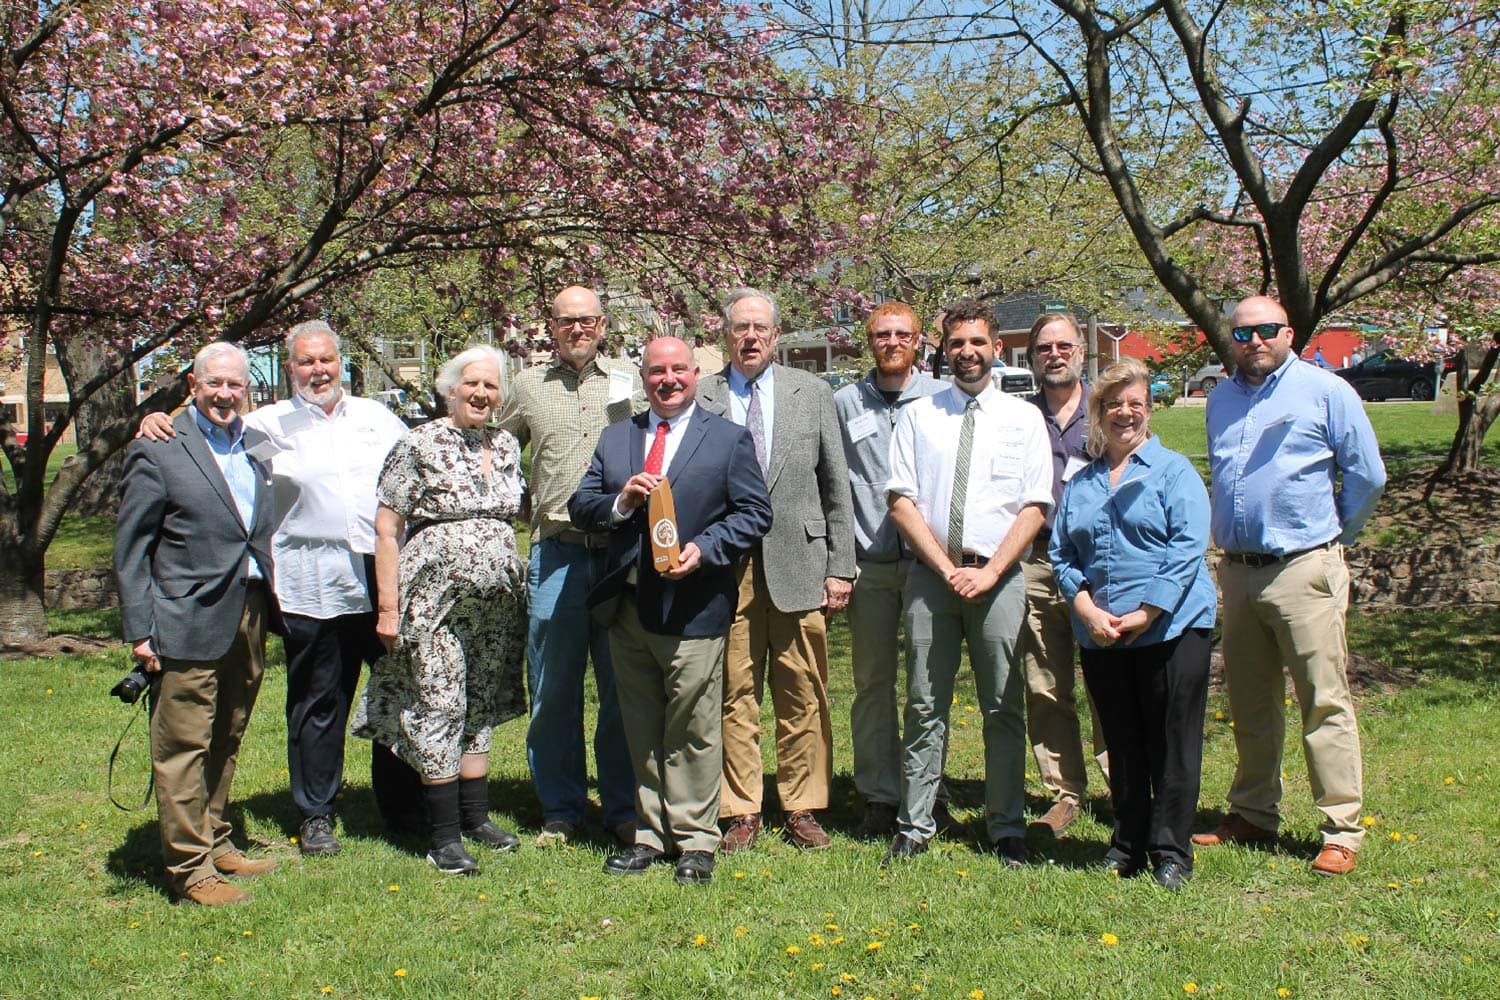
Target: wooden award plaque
<point>661,516</point>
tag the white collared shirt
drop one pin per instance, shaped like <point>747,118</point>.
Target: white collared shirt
<point>1010,466</point>
<point>324,476</point>
<point>676,427</point>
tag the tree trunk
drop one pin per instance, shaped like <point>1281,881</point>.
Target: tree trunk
<point>1477,410</point>
<point>23,618</point>
<point>113,405</point>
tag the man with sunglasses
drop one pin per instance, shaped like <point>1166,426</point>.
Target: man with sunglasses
<point>1055,351</point>
<point>1296,472</point>
<point>560,409</point>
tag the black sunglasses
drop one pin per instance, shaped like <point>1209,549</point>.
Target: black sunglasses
<point>1266,331</point>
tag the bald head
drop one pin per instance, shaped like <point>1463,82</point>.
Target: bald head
<point>577,324</point>
<point>1258,309</point>
<point>670,375</point>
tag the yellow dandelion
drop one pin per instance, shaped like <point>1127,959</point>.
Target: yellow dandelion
<point>182,954</point>
<point>399,973</point>
<point>1393,885</point>
<point>1108,939</point>
<point>219,959</point>
<point>817,966</point>
<point>848,977</point>
<point>589,998</point>
<point>1289,703</point>
<point>963,723</point>
<point>85,826</point>
<point>1282,991</point>
<point>837,940</point>
<point>831,927</point>
<point>1231,723</point>
<point>765,874</point>
<point>976,995</point>
<point>325,989</point>
<point>792,949</point>
<point>393,888</point>
<point>1468,960</point>
<point>969,708</point>
<point>962,873</point>
<point>1017,922</point>
<point>246,933</point>
<point>913,927</point>
<point>739,874</point>
<point>875,946</point>
<point>1190,988</point>
<point>1370,821</point>
<point>828,916</point>
<point>1218,716</point>
<point>483,897</point>
<point>36,854</point>
<point>1395,835</point>
<point>916,987</point>
<point>134,924</point>
<point>1411,836</point>
<point>700,941</point>
<point>741,931</point>
<point>815,939</point>
<point>1448,780</point>
<point>836,991</point>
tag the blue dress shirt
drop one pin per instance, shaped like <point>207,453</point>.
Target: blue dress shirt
<point>739,400</point>
<point>1140,542</point>
<point>228,447</point>
<point>1295,461</point>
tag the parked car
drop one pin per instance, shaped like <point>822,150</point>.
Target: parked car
<point>1163,388</point>
<point>1016,381</point>
<point>1383,375</point>
<point>1204,379</point>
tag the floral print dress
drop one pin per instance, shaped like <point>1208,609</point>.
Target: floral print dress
<point>455,672</point>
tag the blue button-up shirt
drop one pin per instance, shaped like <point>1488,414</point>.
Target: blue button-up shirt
<point>228,447</point>
<point>1137,543</point>
<point>1294,460</point>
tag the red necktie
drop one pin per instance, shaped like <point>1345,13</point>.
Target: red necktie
<point>658,449</point>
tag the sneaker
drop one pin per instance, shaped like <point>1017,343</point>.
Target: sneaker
<point>452,859</point>
<point>557,833</point>
<point>492,835</point>
<point>316,836</point>
<point>213,891</point>
<point>238,865</point>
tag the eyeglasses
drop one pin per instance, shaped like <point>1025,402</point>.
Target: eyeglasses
<point>1265,331</point>
<point>586,322</point>
<point>1061,348</point>
<point>892,335</point>
<point>741,329</point>
<point>1133,405</point>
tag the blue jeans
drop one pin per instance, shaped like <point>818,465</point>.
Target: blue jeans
<point>559,641</point>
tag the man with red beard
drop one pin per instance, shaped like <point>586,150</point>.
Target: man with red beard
<point>867,412</point>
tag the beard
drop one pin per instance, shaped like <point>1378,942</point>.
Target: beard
<point>323,396</point>
<point>896,362</point>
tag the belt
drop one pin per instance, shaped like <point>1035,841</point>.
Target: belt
<point>971,560</point>
<point>1260,559</point>
<point>583,538</point>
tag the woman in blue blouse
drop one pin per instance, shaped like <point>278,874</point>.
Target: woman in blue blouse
<point>1127,547</point>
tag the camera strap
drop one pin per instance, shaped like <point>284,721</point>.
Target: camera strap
<point>145,704</point>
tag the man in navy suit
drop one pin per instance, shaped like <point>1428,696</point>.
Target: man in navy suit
<point>667,630</point>
<point>193,562</point>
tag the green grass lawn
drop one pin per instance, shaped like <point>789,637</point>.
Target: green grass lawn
<point>83,911</point>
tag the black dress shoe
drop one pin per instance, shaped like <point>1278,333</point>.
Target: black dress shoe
<point>494,836</point>
<point>315,836</point>
<point>452,859</point>
<point>634,860</point>
<point>1012,851</point>
<point>903,848</point>
<point>1120,867</point>
<point>1170,875</point>
<point>694,868</point>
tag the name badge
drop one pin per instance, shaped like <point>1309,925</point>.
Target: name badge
<point>1074,465</point>
<point>295,421</point>
<point>619,386</point>
<point>264,451</point>
<point>861,427</point>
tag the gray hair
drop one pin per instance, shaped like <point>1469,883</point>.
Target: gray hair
<point>219,349</point>
<point>312,328</point>
<point>453,368</point>
<point>745,292</point>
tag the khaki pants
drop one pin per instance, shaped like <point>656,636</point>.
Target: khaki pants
<point>796,648</point>
<point>669,689</point>
<point>1291,615</point>
<point>198,717</point>
<point>1051,705</point>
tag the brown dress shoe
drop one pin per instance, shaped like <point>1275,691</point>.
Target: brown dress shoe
<point>805,832</point>
<point>213,891</point>
<point>740,834</point>
<point>1235,829</point>
<point>1059,817</point>
<point>238,865</point>
<point>1334,859</point>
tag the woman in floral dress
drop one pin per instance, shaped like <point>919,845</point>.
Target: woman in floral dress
<point>458,634</point>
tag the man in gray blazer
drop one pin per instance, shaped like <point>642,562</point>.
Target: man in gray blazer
<point>801,571</point>
<point>193,566</point>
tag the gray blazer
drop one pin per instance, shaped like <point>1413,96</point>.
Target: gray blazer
<point>180,547</point>
<point>812,535</point>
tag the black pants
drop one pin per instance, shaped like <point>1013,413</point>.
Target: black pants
<point>323,659</point>
<point>1151,702</point>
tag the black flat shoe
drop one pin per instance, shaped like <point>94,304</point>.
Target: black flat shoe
<point>452,859</point>
<point>489,834</point>
<point>633,861</point>
<point>1124,869</point>
<point>903,848</point>
<point>694,868</point>
<point>1170,875</point>
<point>1012,851</point>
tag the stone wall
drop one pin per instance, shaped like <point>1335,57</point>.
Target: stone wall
<point>73,589</point>
<point>1442,575</point>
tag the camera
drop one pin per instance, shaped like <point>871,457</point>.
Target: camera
<point>131,685</point>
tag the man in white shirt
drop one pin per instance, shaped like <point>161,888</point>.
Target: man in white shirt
<point>971,484</point>
<point>326,452</point>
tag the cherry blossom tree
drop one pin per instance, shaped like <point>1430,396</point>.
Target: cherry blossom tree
<point>173,172</point>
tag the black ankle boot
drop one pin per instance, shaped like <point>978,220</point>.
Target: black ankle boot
<point>447,854</point>
<point>474,809</point>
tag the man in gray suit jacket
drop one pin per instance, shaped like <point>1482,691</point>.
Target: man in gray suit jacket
<point>193,564</point>
<point>801,571</point>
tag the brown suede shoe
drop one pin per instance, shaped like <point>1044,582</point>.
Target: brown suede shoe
<point>213,891</point>
<point>1235,829</point>
<point>740,834</point>
<point>1334,859</point>
<point>805,832</point>
<point>238,865</point>
<point>1059,817</point>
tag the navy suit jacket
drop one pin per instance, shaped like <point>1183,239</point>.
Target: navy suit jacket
<point>181,549</point>
<point>722,507</point>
